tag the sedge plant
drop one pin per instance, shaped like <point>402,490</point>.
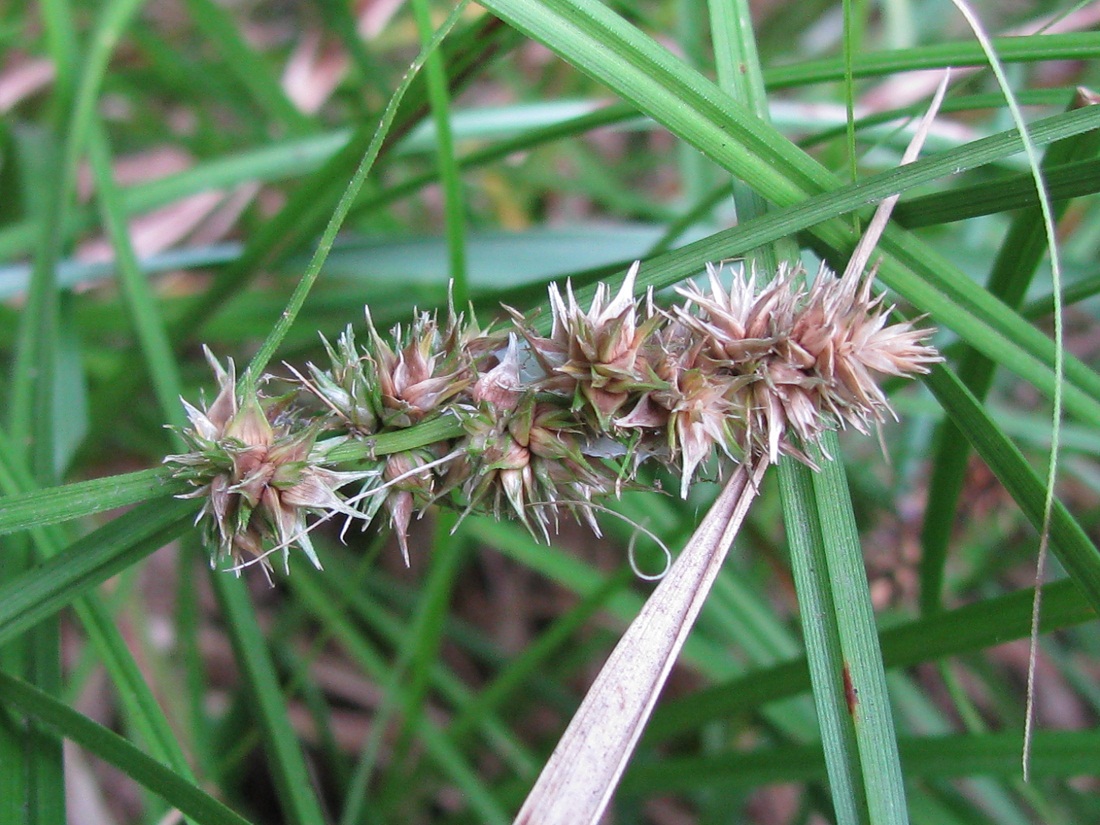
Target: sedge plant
<point>870,673</point>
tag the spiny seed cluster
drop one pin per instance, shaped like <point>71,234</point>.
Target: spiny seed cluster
<point>550,422</point>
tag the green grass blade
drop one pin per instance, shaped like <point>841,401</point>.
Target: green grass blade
<point>282,326</point>
<point>739,73</point>
<point>1012,272</point>
<point>266,702</point>
<point>817,609</point>
<point>148,323</point>
<point>359,646</point>
<point>420,648</point>
<point>42,591</point>
<point>134,693</point>
<point>738,65</point>
<point>454,212</point>
<point>1077,554</point>
<point>310,206</point>
<point>35,393</point>
<point>39,508</point>
<point>949,633</point>
<point>1057,754</point>
<point>53,505</point>
<point>38,333</point>
<point>862,676</point>
<point>113,749</point>
<point>1071,46</point>
<point>1060,754</point>
<point>1064,181</point>
<point>245,65</point>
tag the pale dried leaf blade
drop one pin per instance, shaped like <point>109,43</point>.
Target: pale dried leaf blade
<point>866,246</point>
<point>582,773</point>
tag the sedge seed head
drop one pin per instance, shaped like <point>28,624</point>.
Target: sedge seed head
<point>258,479</point>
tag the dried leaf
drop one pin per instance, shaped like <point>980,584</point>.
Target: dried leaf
<point>581,775</point>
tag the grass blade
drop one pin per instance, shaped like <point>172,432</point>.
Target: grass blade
<point>190,800</point>
<point>1069,542</point>
<point>1012,272</point>
<point>282,326</point>
<point>53,505</point>
<point>949,633</point>
<point>862,676</point>
<point>42,591</point>
<point>267,705</point>
<point>818,613</point>
<point>600,43</point>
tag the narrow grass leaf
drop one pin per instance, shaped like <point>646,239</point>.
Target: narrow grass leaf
<point>84,498</point>
<point>245,64</point>
<point>1065,181</point>
<point>141,303</point>
<point>54,505</point>
<point>314,591</point>
<point>40,592</point>
<point>600,43</point>
<point>862,675</point>
<point>952,632</point>
<point>1045,210</point>
<point>140,706</point>
<point>286,319</point>
<point>267,704</point>
<point>188,799</point>
<point>820,630</point>
<point>1072,546</point>
<point>38,332</point>
<point>419,649</point>
<point>1036,48</point>
<point>454,212</point>
<point>1057,754</point>
<point>1011,274</point>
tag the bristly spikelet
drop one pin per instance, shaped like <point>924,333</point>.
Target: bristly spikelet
<point>380,387</point>
<point>522,455</point>
<point>410,485</point>
<point>596,358</point>
<point>843,330</point>
<point>258,479</point>
<point>696,409</point>
<point>422,372</point>
<point>347,388</point>
<point>806,357</point>
<point>737,326</point>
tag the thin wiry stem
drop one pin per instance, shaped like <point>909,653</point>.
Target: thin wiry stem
<point>1059,362</point>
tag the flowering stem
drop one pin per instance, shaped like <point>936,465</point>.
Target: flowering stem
<point>514,422</point>
<point>439,429</point>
